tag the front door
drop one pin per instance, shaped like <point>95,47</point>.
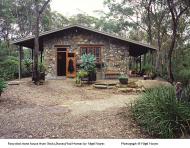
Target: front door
<point>66,63</point>
<point>61,61</point>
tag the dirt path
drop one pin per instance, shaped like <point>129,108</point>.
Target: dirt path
<point>115,101</point>
<point>58,109</point>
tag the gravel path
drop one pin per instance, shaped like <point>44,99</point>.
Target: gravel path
<point>58,109</point>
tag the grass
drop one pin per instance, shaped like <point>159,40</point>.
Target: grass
<point>159,114</point>
<point>2,86</point>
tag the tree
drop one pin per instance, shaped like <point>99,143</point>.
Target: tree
<point>57,20</point>
<point>160,19</point>
<point>6,19</point>
<point>177,8</point>
<point>38,13</point>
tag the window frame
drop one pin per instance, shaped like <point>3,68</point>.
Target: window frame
<point>88,47</point>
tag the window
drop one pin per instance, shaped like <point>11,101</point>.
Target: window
<point>83,50</point>
<point>92,50</point>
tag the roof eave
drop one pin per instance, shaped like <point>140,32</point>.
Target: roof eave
<point>86,28</point>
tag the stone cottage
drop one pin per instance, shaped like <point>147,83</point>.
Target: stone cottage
<point>61,47</point>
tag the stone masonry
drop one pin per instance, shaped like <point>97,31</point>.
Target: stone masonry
<point>114,53</point>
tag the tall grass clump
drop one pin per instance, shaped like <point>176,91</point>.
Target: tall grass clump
<point>159,114</point>
<point>2,86</point>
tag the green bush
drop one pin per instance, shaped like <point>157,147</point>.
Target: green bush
<point>81,74</point>
<point>2,86</point>
<point>28,64</point>
<point>26,67</point>
<point>183,76</point>
<point>42,67</point>
<point>9,68</point>
<point>186,93</point>
<point>88,62</point>
<point>159,114</point>
<point>148,68</point>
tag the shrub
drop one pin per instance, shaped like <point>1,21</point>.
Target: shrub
<point>158,112</point>
<point>81,74</point>
<point>183,76</point>
<point>88,62</point>
<point>186,93</point>
<point>28,64</point>
<point>42,67</point>
<point>9,69</point>
<point>26,67</point>
<point>147,68</point>
<point>2,86</point>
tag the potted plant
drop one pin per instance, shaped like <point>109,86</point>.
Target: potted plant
<point>123,79</point>
<point>80,76</point>
<point>2,86</point>
<point>88,65</point>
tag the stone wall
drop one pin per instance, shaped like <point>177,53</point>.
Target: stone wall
<point>114,53</point>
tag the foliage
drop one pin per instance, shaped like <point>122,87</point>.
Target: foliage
<point>158,112</point>
<point>42,67</point>
<point>28,63</point>
<point>81,74</point>
<point>27,67</point>
<point>186,93</point>
<point>182,65</point>
<point>2,86</point>
<point>162,23</point>
<point>88,63</point>
<point>148,68</point>
<point>8,62</point>
<point>183,76</point>
<point>122,76</point>
<point>9,69</point>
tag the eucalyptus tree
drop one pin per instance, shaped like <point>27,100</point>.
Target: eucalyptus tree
<point>6,19</point>
<point>39,9</point>
<point>57,20</point>
<point>177,9</point>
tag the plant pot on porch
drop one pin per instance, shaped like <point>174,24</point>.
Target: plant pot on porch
<point>92,76</point>
<point>123,80</point>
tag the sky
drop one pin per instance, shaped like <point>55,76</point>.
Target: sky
<point>72,7</point>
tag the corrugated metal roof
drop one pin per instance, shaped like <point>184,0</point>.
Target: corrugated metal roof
<point>86,28</point>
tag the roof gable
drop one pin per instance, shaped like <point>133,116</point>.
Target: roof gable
<point>43,34</point>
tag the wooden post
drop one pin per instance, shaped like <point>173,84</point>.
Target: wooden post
<point>152,55</point>
<point>144,61</point>
<point>41,58</point>
<point>32,63</point>
<point>20,63</point>
<point>140,63</point>
<point>32,54</point>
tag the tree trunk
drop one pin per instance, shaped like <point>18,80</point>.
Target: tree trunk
<point>172,46</point>
<point>39,11</point>
<point>149,22</point>
<point>36,46</point>
<point>158,52</point>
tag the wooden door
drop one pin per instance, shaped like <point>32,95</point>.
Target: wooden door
<point>71,65</point>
